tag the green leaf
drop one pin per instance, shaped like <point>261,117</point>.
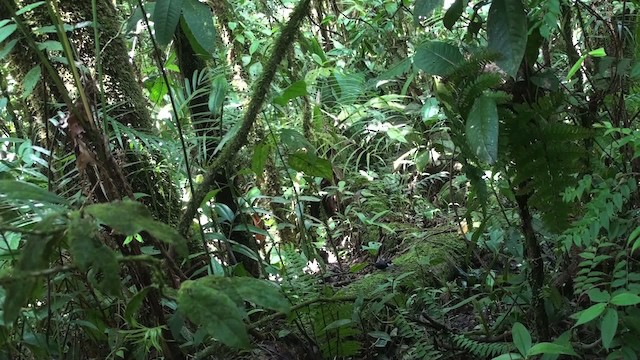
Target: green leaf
<point>215,311</point>
<point>424,8</point>
<point>30,80</point>
<point>574,69</point>
<point>453,13</point>
<point>29,7</point>
<point>18,190</point>
<point>260,155</point>
<point>17,295</point>
<point>295,141</point>
<point>437,58</point>
<point>521,338</point>
<point>7,48</point>
<point>599,52</point>
<point>88,251</point>
<point>608,327</point>
<point>507,33</point>
<point>297,89</point>
<point>217,95</point>
<point>482,129</point>
<point>130,217</point>
<point>134,305</point>
<point>199,27</point>
<point>509,356</point>
<point>311,165</point>
<point>165,19</point>
<point>6,31</point>
<point>591,313</point>
<point>625,299</point>
<point>550,348</point>
<point>338,324</point>
<point>261,292</point>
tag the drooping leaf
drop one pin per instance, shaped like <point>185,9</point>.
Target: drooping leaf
<point>7,48</point>
<point>295,141</point>
<point>424,8</point>
<point>608,327</point>
<point>215,311</point>
<point>297,89</point>
<point>134,304</point>
<point>521,338</point>
<point>88,251</point>
<point>551,349</point>
<point>31,80</point>
<point>453,13</point>
<point>507,33</point>
<point>482,129</point>
<point>17,296</point>
<point>18,190</point>
<point>6,31</point>
<point>260,155</point>
<point>261,292</point>
<point>166,16</point>
<point>218,94</point>
<point>199,27</point>
<point>590,313</point>
<point>311,165</point>
<point>130,217</point>
<point>437,58</point>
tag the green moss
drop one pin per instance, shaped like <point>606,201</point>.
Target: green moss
<point>429,255</point>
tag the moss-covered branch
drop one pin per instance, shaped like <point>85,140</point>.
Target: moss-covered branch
<point>282,45</point>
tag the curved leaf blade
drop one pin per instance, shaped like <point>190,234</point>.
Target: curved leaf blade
<point>166,16</point>
<point>482,129</point>
<point>507,33</point>
<point>437,58</point>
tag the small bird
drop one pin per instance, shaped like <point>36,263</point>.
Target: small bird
<point>383,264</point>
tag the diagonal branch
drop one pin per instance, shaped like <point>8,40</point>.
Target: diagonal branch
<point>280,49</point>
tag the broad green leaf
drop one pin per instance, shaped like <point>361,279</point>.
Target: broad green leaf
<point>6,31</point>
<point>17,190</point>
<point>625,299</point>
<point>261,292</point>
<point>88,251</point>
<point>521,338</point>
<point>217,95</point>
<point>337,324</point>
<point>507,33</point>
<point>295,141</point>
<point>598,296</point>
<point>165,19</point>
<point>482,129</point>
<point>130,217</point>
<point>424,8</point>
<point>550,348</point>
<point>50,45</point>
<point>311,165</point>
<point>608,327</point>
<point>215,311</point>
<point>437,58</point>
<point>17,296</point>
<point>260,155</point>
<point>591,313</point>
<point>199,27</point>
<point>31,80</point>
<point>134,304</point>
<point>297,89</point>
<point>7,48</point>
<point>453,13</point>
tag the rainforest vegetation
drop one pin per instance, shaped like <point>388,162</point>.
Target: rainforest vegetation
<point>319,179</point>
